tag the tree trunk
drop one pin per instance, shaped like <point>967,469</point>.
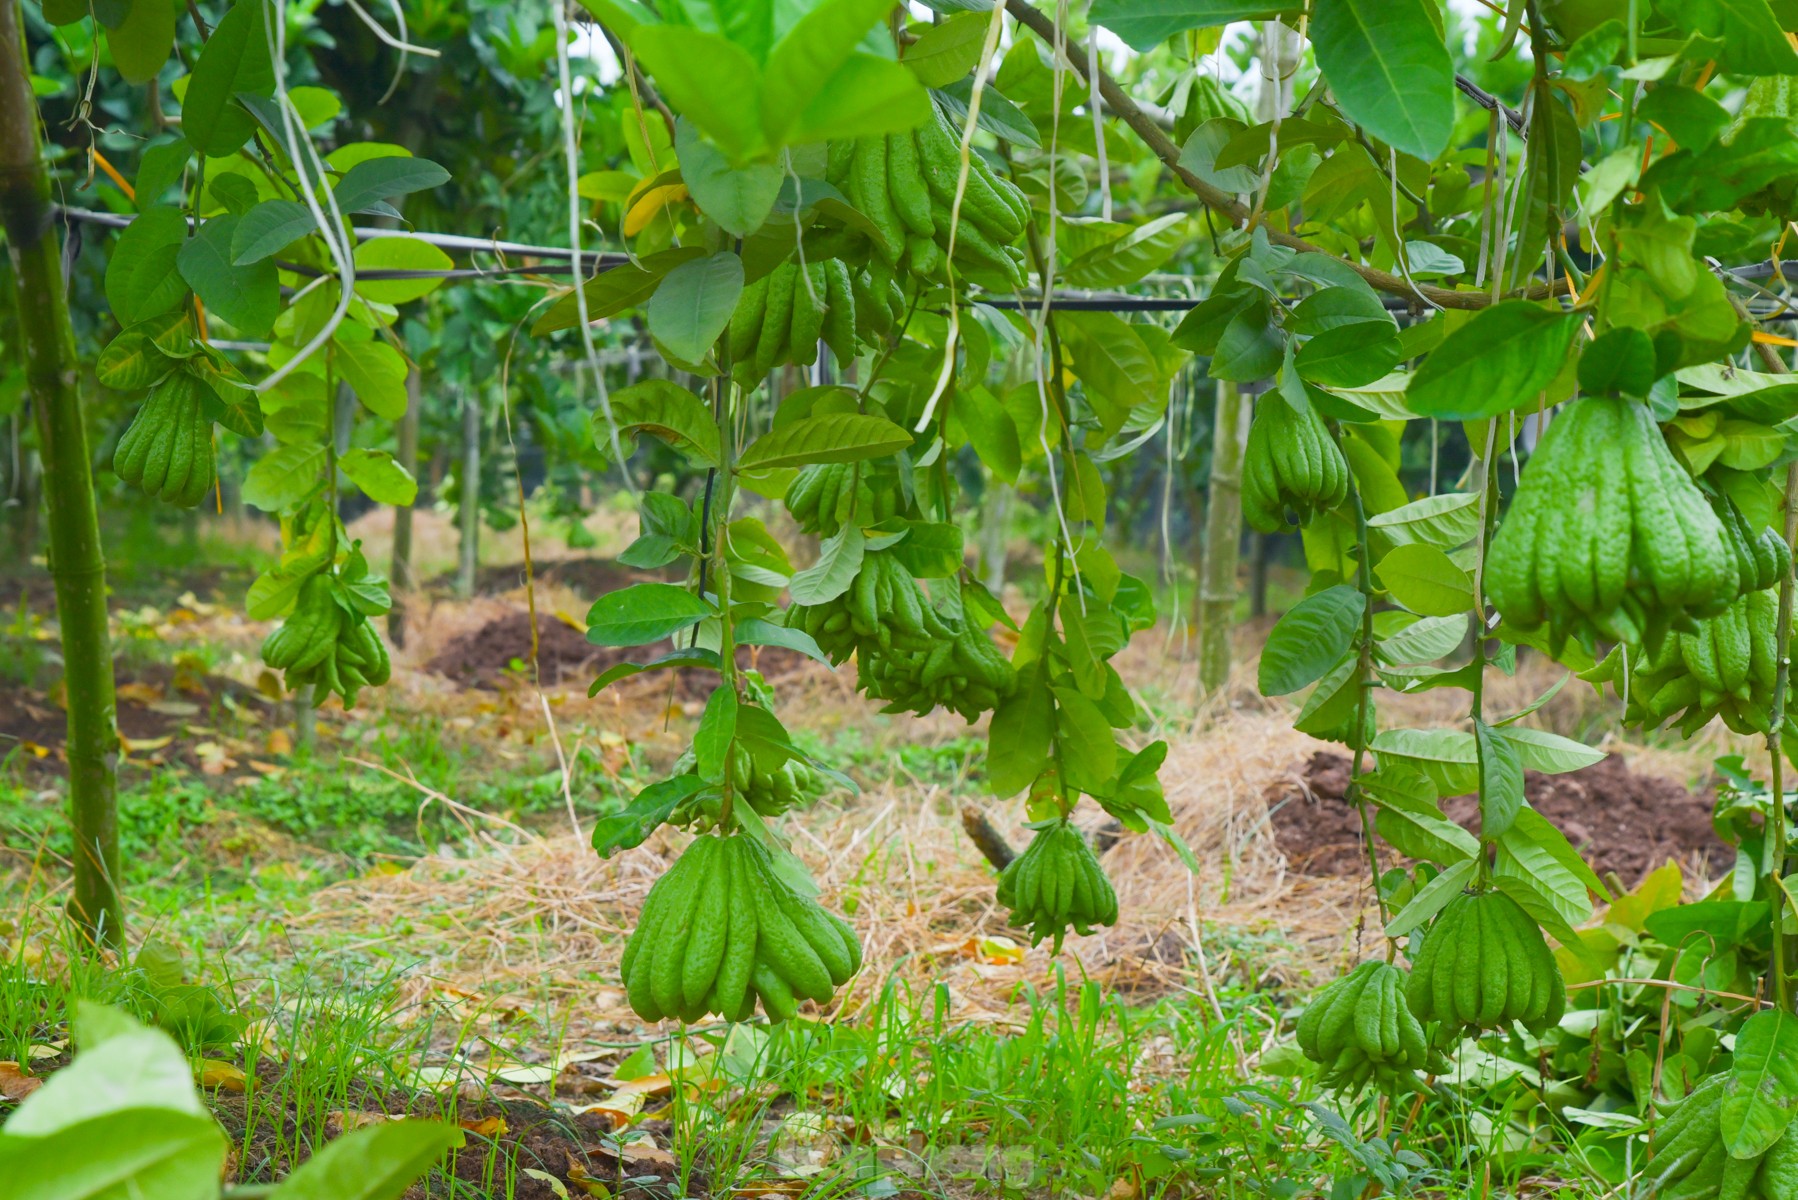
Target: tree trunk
<point>1258,544</point>
<point>77,564</point>
<point>400,572</point>
<point>1223,535</point>
<point>469,489</point>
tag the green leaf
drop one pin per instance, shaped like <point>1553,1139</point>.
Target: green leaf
<point>1424,640</point>
<point>831,438</point>
<point>234,60</point>
<point>1203,148</point>
<point>665,409</point>
<point>756,632</point>
<point>1087,752</point>
<point>1350,355</point>
<point>141,44</point>
<point>247,297</point>
<point>1388,68</point>
<point>375,371</point>
<point>998,116</point>
<point>1501,359</point>
<point>643,613</point>
<point>717,730</point>
<point>1550,753</point>
<point>228,398</point>
<point>1445,521</point>
<point>738,198</point>
<point>283,477</point>
<point>1113,362</point>
<point>134,1152</point>
<point>1409,817</point>
<point>803,66</point>
<point>1145,24</point>
<point>142,278</point>
<point>398,254</point>
<point>160,168</point>
<point>653,806</point>
<point>693,304</point>
<point>1309,639</point>
<point>269,228</point>
<point>385,178</point>
<point>867,97</point>
<point>1748,36</point>
<point>1446,756</point>
<point>709,80</point>
<point>948,50</point>
<point>1127,259</point>
<point>1425,580</point>
<point>139,1069</point>
<point>929,550</point>
<point>1501,781</point>
<point>990,430</point>
<point>1534,876</point>
<point>839,560</point>
<point>1432,898</point>
<point>131,361</point>
<point>615,290</point>
<point>376,1162</point>
<point>380,476</point>
<point>1019,735</point>
<point>1761,1096</point>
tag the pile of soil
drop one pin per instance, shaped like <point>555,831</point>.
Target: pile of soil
<point>1623,823</point>
<point>588,577</point>
<point>485,656</point>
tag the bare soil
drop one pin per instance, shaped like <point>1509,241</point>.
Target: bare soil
<point>1624,823</point>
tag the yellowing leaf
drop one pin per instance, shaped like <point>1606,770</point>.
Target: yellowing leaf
<point>218,1074</point>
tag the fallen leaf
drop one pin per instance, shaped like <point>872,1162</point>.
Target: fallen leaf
<point>174,708</point>
<point>278,742</point>
<point>15,1083</point>
<point>338,1123</point>
<point>35,750</point>
<point>1123,1188</point>
<point>577,1175</point>
<point>487,1127</point>
<point>998,951</point>
<point>139,692</point>
<point>547,1180</point>
<point>217,1073</point>
<point>645,1152</point>
<point>40,1050</point>
<point>524,1074</point>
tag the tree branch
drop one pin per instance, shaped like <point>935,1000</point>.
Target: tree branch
<point>1228,207</point>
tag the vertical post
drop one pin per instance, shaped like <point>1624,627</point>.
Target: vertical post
<point>469,491</point>
<point>76,563</point>
<point>399,573</point>
<point>995,519</point>
<point>1223,535</point>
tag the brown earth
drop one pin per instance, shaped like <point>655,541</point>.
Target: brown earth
<point>1623,823</point>
<point>590,578</point>
<point>484,657</point>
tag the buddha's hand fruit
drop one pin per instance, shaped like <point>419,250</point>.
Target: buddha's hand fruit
<point>1608,536</point>
<point>722,929</point>
<point>1291,463</point>
<point>167,450</point>
<point>1360,1031</point>
<point>1484,964</point>
<point>1057,884</point>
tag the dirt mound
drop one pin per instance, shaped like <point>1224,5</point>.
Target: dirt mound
<point>484,656</point>
<point>590,578</point>
<point>1624,823</point>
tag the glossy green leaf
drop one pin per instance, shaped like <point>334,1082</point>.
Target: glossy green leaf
<point>831,438</point>
<point>643,613</point>
<point>707,79</point>
<point>1447,520</point>
<point>627,829</point>
<point>693,305</point>
<point>1761,1096</point>
<point>1501,781</point>
<point>717,730</point>
<point>283,477</point>
<point>234,60</point>
<point>1145,24</point>
<point>839,560</point>
<point>1425,580</point>
<point>665,409</point>
<point>131,361</point>
<point>1087,751</point>
<point>379,475</point>
<point>141,44</point>
<point>246,297</point>
<point>738,198</point>
<point>1389,70</point>
<point>269,228</point>
<point>385,178</point>
<point>614,290</point>
<point>808,64</point>
<point>375,371</point>
<point>949,49</point>
<point>142,276</point>
<point>1500,360</point>
<point>398,254</point>
<point>1019,737</point>
<point>375,1162</point>
<point>1309,639</point>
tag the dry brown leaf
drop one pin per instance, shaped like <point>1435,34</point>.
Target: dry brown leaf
<point>547,1180</point>
<point>773,1187</point>
<point>1123,1188</point>
<point>139,692</point>
<point>15,1083</point>
<point>278,742</point>
<point>35,750</point>
<point>339,1123</point>
<point>144,745</point>
<point>589,1186</point>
